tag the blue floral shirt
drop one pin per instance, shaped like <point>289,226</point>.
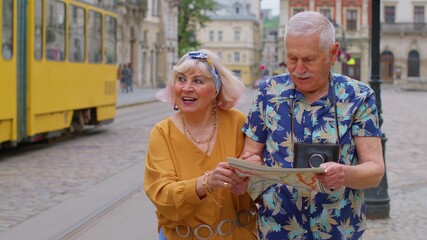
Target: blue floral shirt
<point>290,213</point>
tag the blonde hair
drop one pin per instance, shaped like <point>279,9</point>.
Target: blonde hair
<point>232,87</point>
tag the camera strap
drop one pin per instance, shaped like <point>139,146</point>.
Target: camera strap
<point>335,116</point>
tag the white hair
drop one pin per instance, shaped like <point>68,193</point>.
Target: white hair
<point>310,23</point>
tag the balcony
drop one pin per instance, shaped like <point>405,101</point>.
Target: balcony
<point>404,27</point>
<point>140,5</point>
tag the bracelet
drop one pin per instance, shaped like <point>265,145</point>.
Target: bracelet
<point>206,186</point>
<point>209,190</point>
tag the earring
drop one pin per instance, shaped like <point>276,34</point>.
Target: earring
<point>175,107</point>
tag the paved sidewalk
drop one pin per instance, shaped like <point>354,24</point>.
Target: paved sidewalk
<point>138,96</point>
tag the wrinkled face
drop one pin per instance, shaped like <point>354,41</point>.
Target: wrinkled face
<point>309,64</point>
<point>194,92</point>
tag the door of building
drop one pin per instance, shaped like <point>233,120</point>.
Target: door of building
<point>352,68</point>
<point>386,67</point>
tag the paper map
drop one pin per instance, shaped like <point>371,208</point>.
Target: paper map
<point>262,177</point>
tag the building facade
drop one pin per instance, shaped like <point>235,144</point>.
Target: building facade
<point>234,33</point>
<point>403,38</point>
<point>147,39</point>
<point>351,19</point>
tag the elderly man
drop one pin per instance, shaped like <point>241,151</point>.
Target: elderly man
<point>313,108</point>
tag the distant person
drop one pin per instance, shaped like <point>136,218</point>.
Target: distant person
<point>196,193</point>
<point>306,111</point>
<point>121,78</point>
<point>127,77</point>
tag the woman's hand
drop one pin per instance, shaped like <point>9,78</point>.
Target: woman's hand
<point>240,188</point>
<point>224,176</point>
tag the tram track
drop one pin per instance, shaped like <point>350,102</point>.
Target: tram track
<point>91,219</point>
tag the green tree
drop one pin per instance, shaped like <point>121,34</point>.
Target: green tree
<point>191,14</point>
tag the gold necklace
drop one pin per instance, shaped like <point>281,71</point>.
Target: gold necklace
<point>186,130</point>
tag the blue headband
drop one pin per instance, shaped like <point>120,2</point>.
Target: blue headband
<point>204,57</point>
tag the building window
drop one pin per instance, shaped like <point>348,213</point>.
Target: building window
<point>326,12</point>
<point>419,14</point>
<point>390,13</point>
<point>351,17</point>
<point>236,57</point>
<point>413,64</point>
<point>211,36</point>
<point>237,36</point>
<point>156,9</point>
<point>298,10</point>
<point>238,73</point>
<point>418,17</point>
<point>220,36</point>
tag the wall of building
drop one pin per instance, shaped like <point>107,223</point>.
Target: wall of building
<point>355,43</point>
<point>402,37</point>
<point>247,46</point>
<point>148,40</point>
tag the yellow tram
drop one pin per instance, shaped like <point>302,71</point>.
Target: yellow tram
<point>57,68</point>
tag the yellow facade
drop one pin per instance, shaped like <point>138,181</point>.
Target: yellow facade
<point>234,33</point>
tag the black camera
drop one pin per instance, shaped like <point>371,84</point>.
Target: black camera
<point>311,155</point>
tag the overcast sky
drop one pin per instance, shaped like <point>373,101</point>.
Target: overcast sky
<point>271,4</point>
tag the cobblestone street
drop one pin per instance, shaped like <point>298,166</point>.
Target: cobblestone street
<point>40,178</point>
<point>404,117</point>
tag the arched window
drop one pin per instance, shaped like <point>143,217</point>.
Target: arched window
<point>413,64</point>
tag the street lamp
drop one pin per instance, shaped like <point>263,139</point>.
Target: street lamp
<point>377,199</point>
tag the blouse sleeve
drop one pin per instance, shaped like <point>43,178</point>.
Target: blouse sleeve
<point>173,198</point>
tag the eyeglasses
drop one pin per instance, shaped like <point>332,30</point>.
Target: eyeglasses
<point>204,57</point>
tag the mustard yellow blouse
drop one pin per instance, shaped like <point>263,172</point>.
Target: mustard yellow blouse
<point>173,164</point>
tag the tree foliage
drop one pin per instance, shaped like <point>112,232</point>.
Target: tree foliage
<point>192,13</point>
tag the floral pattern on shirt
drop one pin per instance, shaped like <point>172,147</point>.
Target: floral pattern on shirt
<point>291,213</point>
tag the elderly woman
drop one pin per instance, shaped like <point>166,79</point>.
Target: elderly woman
<point>196,193</point>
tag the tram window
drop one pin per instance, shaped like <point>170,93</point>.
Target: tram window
<point>77,34</point>
<point>55,31</point>
<point>38,29</point>
<point>110,39</point>
<point>95,37</point>
<point>7,29</point>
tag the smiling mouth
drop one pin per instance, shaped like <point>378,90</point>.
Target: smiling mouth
<point>188,99</point>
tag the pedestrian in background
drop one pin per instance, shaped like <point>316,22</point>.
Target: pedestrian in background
<point>196,193</point>
<point>121,78</point>
<point>127,77</point>
<point>310,107</point>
